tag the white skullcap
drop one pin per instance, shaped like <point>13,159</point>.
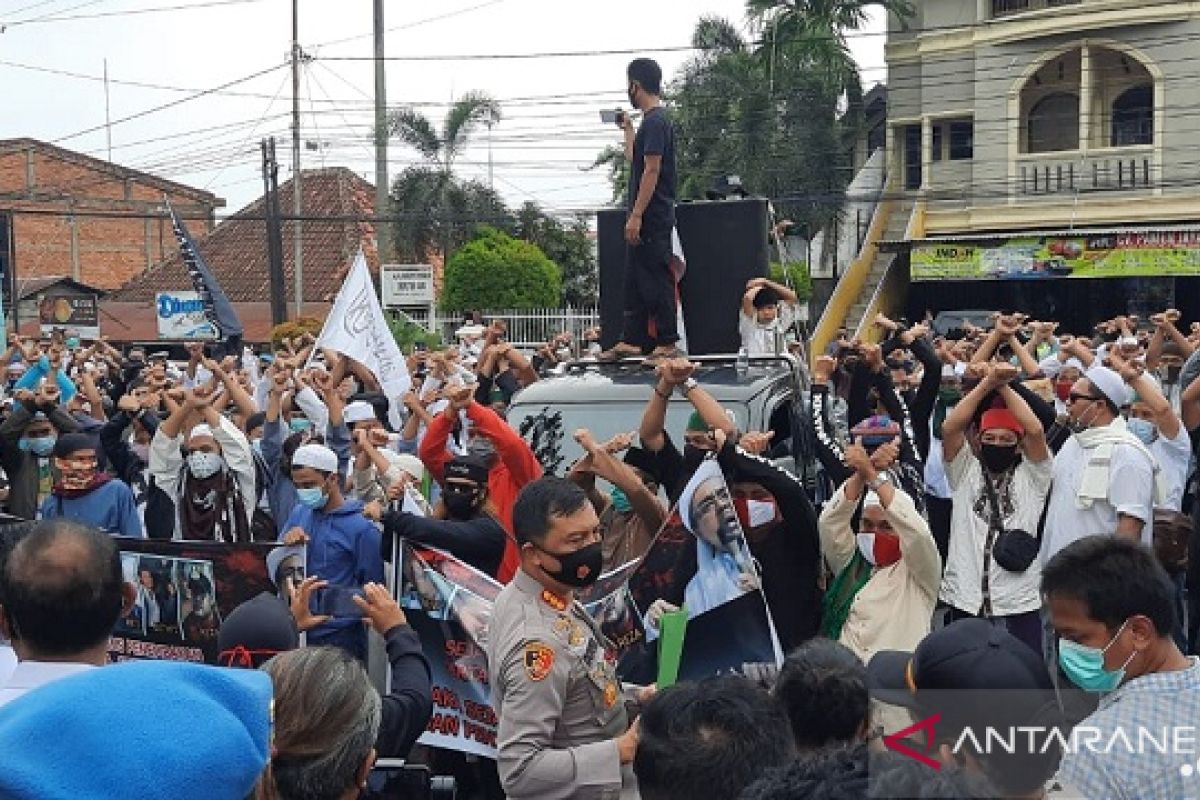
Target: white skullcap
<point>359,411</point>
<point>871,500</point>
<point>201,430</point>
<point>948,371</point>
<point>409,463</point>
<point>317,456</point>
<point>1073,362</point>
<point>1109,384</point>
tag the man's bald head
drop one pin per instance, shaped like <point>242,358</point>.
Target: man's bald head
<point>63,590</point>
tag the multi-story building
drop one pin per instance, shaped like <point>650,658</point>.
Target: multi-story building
<point>1050,145</point>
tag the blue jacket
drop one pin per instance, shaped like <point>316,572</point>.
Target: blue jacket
<point>281,492</point>
<point>111,508</point>
<point>343,548</point>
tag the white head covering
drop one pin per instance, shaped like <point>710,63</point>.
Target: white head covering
<point>407,462</point>
<point>871,500</point>
<point>1109,384</point>
<point>317,456</point>
<point>201,430</point>
<point>359,411</point>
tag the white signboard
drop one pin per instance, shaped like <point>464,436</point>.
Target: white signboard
<point>181,316</point>
<point>406,285</point>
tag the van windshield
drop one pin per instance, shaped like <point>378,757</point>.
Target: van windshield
<point>550,430</point>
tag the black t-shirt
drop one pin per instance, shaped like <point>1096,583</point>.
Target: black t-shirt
<point>655,137</point>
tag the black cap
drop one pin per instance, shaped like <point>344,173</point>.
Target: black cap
<point>257,629</point>
<point>469,467</point>
<point>70,443</point>
<point>968,655</point>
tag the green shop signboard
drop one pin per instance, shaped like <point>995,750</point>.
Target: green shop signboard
<point>1125,255</point>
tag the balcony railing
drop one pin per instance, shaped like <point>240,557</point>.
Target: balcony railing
<point>1122,169</point>
<point>1003,8</point>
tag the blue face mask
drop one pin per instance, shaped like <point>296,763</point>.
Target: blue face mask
<point>299,424</point>
<point>620,500</point>
<point>1084,665</point>
<point>38,445</point>
<point>314,498</point>
<point>1143,429</point>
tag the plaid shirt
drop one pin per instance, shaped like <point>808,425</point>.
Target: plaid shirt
<point>1162,704</point>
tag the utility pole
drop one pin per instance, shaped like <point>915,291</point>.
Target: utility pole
<point>382,235</point>
<point>274,233</point>
<point>297,207</point>
<point>107,113</point>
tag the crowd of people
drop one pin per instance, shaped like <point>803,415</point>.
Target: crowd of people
<point>1001,515</point>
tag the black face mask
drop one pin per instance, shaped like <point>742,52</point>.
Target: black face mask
<point>1173,374</point>
<point>461,504</point>
<point>693,457</point>
<point>998,458</point>
<point>580,568</point>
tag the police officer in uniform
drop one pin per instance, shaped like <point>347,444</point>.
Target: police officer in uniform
<point>564,728</point>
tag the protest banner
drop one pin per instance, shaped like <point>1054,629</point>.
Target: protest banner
<point>449,604</point>
<point>183,591</point>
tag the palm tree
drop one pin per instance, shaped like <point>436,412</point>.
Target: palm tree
<point>431,199</point>
<point>442,147</point>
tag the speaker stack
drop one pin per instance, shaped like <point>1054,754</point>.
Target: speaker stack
<point>725,243</point>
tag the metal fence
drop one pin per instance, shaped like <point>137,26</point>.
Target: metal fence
<point>527,327</point>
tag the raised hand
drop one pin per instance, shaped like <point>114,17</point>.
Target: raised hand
<point>301,602</point>
<point>676,370</point>
<point>381,611</point>
<point>886,455</point>
<point>756,442</point>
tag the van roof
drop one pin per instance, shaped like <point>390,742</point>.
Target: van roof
<point>627,381</point>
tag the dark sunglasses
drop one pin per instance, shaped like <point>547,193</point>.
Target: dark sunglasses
<point>1075,397</point>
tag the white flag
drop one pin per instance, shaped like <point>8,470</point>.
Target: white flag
<point>357,328</point>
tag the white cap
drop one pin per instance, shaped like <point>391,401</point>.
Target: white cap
<point>317,456</point>
<point>871,500</point>
<point>1109,384</point>
<point>407,462</point>
<point>359,411</point>
<point>1073,362</point>
<point>948,371</point>
<point>201,430</point>
<point>470,330</point>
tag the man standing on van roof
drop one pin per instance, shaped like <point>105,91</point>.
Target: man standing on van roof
<point>649,284</point>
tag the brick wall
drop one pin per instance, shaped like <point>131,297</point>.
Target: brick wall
<point>96,250</point>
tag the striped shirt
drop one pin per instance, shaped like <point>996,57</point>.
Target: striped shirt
<point>1142,742</point>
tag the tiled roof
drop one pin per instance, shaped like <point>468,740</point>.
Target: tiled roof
<point>25,143</point>
<point>236,250</point>
<point>31,287</point>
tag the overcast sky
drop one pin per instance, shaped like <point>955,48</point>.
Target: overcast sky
<point>550,129</point>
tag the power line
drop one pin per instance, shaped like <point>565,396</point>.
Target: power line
<point>413,24</point>
<point>127,12</point>
<point>172,104</point>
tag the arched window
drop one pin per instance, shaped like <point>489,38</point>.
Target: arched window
<point>1133,117</point>
<point>1054,123</point>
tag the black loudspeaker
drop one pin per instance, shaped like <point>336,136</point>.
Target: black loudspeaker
<point>725,244</point>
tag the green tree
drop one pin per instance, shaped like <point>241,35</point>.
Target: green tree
<point>613,158</point>
<point>437,211</point>
<point>569,246</point>
<point>496,271</point>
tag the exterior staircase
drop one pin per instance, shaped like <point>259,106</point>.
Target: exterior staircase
<point>896,229</point>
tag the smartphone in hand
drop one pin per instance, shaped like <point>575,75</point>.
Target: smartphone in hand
<point>338,602</point>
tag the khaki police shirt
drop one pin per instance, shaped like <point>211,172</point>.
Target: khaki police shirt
<point>560,704</point>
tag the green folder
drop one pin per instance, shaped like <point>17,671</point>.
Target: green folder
<point>671,629</point>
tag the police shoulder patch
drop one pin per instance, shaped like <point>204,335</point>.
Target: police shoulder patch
<point>539,660</point>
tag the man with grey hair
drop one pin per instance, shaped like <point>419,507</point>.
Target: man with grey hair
<point>327,717</point>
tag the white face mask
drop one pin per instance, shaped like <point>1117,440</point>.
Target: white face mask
<point>760,512</point>
<point>204,465</point>
<point>866,546</point>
